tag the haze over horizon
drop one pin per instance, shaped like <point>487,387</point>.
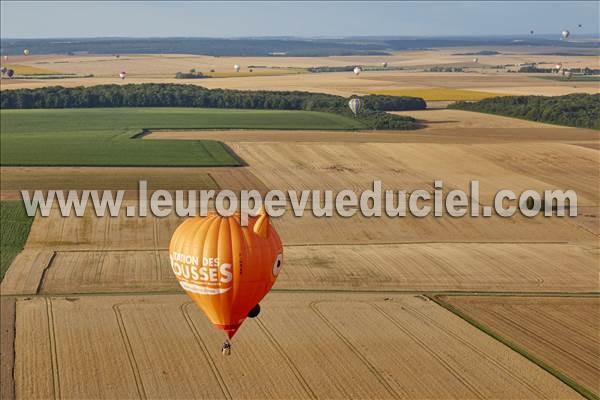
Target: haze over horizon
<point>65,19</point>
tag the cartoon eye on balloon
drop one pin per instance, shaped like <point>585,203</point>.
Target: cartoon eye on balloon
<point>277,264</point>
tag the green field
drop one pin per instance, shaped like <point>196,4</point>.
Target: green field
<point>103,137</point>
<point>14,229</point>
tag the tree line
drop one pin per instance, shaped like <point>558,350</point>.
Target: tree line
<point>580,110</point>
<point>180,95</point>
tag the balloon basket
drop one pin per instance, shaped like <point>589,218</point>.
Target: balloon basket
<point>226,349</point>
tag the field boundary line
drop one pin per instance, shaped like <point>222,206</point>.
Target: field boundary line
<point>42,281</point>
<point>287,359</point>
<point>129,350</point>
<point>354,350</point>
<point>469,345</point>
<point>424,346</point>
<point>53,352</point>
<point>204,349</point>
<point>582,390</point>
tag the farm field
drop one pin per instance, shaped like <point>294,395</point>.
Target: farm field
<point>298,329</point>
<point>29,70</point>
<point>345,83</point>
<point>428,267</point>
<point>413,166</point>
<point>14,229</point>
<point>92,232</point>
<point>440,94</point>
<point>479,77</point>
<point>562,332</point>
<point>15,179</point>
<point>104,136</point>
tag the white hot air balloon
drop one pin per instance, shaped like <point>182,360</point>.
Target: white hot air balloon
<point>565,34</point>
<point>122,74</point>
<point>384,64</point>
<point>26,52</point>
<point>355,105</point>
<point>357,70</point>
<point>475,60</point>
<point>236,67</point>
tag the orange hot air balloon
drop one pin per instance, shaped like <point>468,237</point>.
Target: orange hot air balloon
<point>226,268</point>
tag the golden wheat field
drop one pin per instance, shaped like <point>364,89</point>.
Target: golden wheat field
<point>517,267</point>
<point>413,166</point>
<point>15,179</point>
<point>287,73</point>
<point>21,69</point>
<point>563,332</point>
<point>299,329</point>
<point>440,94</point>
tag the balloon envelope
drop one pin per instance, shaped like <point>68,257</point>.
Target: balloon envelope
<point>475,60</point>
<point>236,67</point>
<point>355,105</point>
<point>122,74</point>
<point>10,73</point>
<point>357,70</point>
<point>224,267</point>
<point>565,34</point>
<point>384,64</point>
<point>26,52</point>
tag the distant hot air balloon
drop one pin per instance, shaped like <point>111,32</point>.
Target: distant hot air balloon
<point>579,25</point>
<point>355,105</point>
<point>10,73</point>
<point>122,74</point>
<point>565,34</point>
<point>384,64</point>
<point>236,67</point>
<point>226,268</point>
<point>475,60</point>
<point>357,70</point>
<point>3,70</point>
<point>558,68</point>
<point>531,32</point>
<point>26,52</point>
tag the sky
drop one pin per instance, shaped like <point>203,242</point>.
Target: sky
<point>71,19</point>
